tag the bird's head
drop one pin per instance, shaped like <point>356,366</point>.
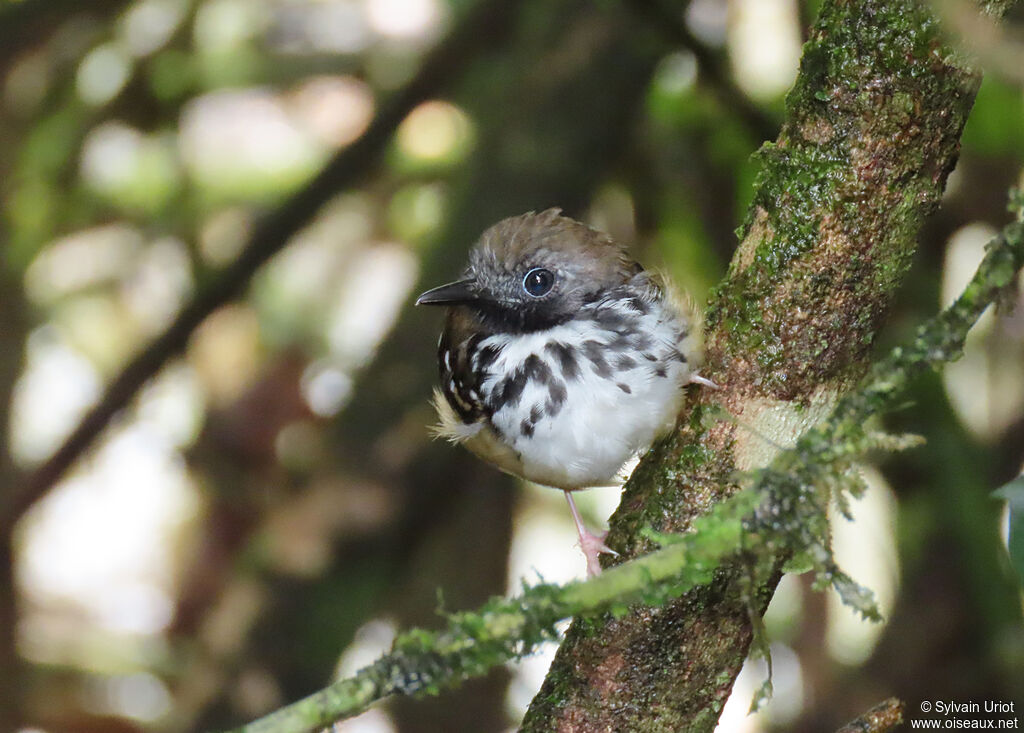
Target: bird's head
<point>535,271</point>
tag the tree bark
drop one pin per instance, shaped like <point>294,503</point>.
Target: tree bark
<point>871,133</point>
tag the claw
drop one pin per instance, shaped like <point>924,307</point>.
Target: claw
<point>695,378</point>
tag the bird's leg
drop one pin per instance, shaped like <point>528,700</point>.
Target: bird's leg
<point>591,544</point>
<point>695,378</point>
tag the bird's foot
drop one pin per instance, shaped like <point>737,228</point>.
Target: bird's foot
<point>593,545</point>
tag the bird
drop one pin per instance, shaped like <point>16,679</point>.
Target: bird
<point>561,358</point>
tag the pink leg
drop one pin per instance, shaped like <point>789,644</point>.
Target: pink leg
<point>591,544</point>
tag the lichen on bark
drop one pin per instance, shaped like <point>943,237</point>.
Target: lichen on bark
<point>872,130</point>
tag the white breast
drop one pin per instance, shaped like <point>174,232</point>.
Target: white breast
<point>611,411</point>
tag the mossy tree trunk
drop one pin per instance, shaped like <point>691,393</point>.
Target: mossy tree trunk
<point>871,133</point>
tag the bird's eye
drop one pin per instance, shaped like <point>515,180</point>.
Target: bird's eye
<point>538,282</point>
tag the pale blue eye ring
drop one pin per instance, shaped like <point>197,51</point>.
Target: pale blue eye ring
<point>538,282</point>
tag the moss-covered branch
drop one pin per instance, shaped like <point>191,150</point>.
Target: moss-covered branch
<point>784,495</point>
<point>424,662</point>
<point>871,132</point>
<point>884,717</point>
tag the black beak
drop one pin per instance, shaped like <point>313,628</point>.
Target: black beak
<point>454,293</point>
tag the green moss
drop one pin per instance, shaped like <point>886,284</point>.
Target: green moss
<point>871,132</point>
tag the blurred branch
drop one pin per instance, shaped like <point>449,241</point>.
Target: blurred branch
<point>711,66</point>
<point>473,34</point>
<point>27,23</point>
<point>998,48</point>
<point>578,78</point>
<point>882,718</point>
<point>424,662</point>
<point>15,325</point>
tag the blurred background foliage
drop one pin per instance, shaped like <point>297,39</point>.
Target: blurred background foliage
<point>270,508</point>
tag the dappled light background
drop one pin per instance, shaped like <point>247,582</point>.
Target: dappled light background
<point>270,509</point>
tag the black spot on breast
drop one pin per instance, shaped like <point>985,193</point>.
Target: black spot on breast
<point>535,414</point>
<point>624,362</point>
<point>624,387</point>
<point>511,388</point>
<point>534,368</point>
<point>565,356</point>
<point>661,371</point>
<point>641,341</point>
<point>526,428</point>
<point>594,351</point>
<point>639,305</point>
<point>649,356</point>
<point>556,397</point>
<point>622,342</point>
<point>612,319</point>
